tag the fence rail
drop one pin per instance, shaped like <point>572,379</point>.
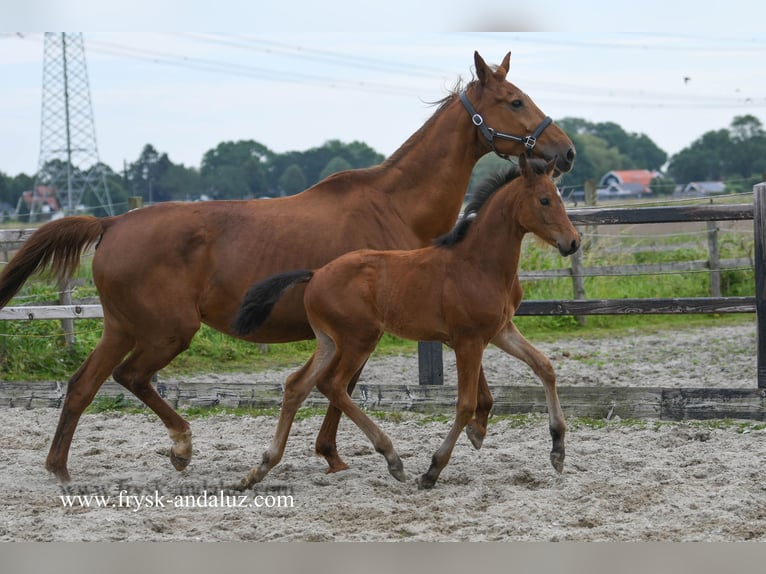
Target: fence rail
<point>666,403</point>
<point>430,353</point>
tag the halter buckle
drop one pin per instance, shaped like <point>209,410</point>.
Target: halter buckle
<point>477,119</point>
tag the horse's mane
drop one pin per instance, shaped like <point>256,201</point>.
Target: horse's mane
<point>442,105</point>
<point>479,198</point>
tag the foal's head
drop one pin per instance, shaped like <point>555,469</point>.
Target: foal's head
<point>538,207</point>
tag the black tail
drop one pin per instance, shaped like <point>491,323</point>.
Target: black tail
<point>261,298</point>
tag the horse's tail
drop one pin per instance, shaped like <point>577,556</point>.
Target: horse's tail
<point>56,246</point>
<point>261,298</point>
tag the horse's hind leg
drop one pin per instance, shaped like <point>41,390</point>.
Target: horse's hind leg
<point>513,342</point>
<point>135,374</point>
<point>476,429</point>
<point>326,439</point>
<point>81,390</point>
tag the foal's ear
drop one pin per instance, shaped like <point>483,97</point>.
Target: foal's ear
<point>523,166</point>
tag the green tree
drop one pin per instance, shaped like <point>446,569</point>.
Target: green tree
<point>315,160</point>
<point>181,183</point>
<point>237,170</point>
<point>737,154</point>
<point>641,152</point>
<point>335,165</point>
<point>595,157</point>
<point>292,181</point>
<point>5,189</point>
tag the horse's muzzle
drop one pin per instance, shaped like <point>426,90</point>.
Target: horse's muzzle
<point>567,249</point>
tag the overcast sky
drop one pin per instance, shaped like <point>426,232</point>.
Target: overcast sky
<point>185,92</point>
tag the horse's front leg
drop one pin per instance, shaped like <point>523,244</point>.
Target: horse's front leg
<point>468,358</point>
<point>513,342</point>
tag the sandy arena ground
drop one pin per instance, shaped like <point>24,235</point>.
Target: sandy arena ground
<point>651,481</point>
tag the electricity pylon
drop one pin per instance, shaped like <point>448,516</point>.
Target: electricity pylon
<point>69,169</point>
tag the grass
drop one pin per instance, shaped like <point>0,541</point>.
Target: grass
<point>35,350</point>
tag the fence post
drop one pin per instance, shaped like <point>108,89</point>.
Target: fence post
<point>759,233</point>
<point>430,365</point>
<point>135,202</point>
<point>65,298</point>
<point>578,278</point>
<point>714,259</point>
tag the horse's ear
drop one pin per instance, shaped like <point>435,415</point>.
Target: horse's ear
<point>506,65</point>
<point>550,166</point>
<point>482,70</point>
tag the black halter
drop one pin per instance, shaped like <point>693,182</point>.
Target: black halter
<point>529,141</point>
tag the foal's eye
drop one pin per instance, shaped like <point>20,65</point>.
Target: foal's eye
<point>517,103</point>
<point>545,201</point>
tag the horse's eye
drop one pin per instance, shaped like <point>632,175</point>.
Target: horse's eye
<point>517,103</point>
<point>545,201</point>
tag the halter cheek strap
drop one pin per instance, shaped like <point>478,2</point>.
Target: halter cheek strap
<point>529,141</point>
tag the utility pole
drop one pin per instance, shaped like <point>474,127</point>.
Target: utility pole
<point>69,171</point>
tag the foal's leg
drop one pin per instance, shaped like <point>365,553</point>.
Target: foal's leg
<point>468,357</point>
<point>513,342</point>
<point>351,357</point>
<point>476,429</point>
<point>297,388</point>
<point>81,390</point>
<point>135,374</point>
<point>326,439</point>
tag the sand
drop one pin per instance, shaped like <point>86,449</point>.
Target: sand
<point>623,480</point>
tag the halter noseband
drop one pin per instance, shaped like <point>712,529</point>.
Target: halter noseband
<point>529,141</point>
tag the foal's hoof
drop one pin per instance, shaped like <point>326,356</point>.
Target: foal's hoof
<point>398,473</point>
<point>476,438</point>
<point>62,474</point>
<point>557,460</point>
<point>178,462</point>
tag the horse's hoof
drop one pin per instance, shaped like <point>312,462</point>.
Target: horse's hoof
<point>178,462</point>
<point>476,438</point>
<point>425,483</point>
<point>557,460</point>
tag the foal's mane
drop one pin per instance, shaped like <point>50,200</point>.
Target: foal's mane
<point>480,196</point>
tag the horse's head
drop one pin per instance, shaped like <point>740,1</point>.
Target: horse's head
<point>540,209</point>
<point>509,121</point>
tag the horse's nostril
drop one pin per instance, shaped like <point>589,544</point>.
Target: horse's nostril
<point>571,154</point>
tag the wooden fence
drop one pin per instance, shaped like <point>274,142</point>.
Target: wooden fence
<point>431,396</point>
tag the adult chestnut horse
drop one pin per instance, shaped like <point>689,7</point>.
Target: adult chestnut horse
<point>163,270</point>
<point>464,292</point>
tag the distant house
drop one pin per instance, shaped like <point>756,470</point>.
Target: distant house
<point>703,188</point>
<point>623,191</point>
<point>626,184</point>
<point>40,200</point>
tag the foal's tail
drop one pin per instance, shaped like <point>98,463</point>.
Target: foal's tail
<point>261,298</point>
<point>56,246</point>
